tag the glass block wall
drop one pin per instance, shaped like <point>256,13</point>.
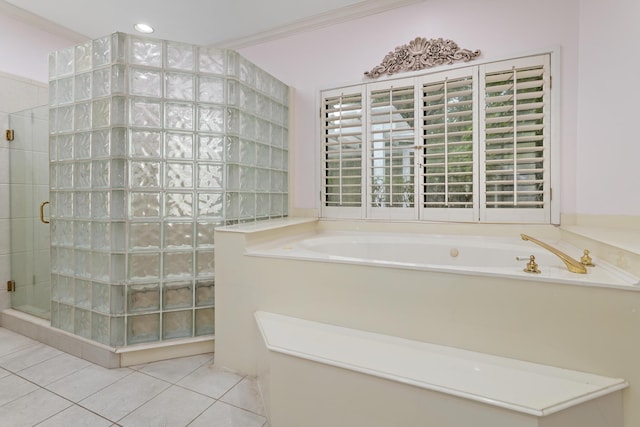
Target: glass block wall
<point>152,145</point>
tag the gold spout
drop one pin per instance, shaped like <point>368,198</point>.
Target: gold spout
<point>573,265</point>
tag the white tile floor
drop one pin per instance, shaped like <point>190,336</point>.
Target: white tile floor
<point>42,386</point>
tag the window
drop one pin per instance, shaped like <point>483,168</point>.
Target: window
<point>469,144</point>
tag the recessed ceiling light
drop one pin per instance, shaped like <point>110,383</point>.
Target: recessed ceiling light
<point>143,28</point>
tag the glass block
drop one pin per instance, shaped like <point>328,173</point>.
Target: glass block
<point>247,152</point>
<point>180,56</point>
<point>233,93</point>
<point>247,72</point>
<point>83,53</point>
<point>211,60</point>
<point>262,81</point>
<point>65,90</point>
<point>263,106</point>
<point>232,149</point>
<point>263,130</point>
<point>211,147</point>
<point>65,119</point>
<point>118,205</point>
<point>177,295</point>
<point>65,61</point>
<point>205,232</point>
<point>179,205</point>
<point>100,173</point>
<point>100,266</point>
<point>263,155</point>
<point>82,142</point>
<point>118,236</point>
<point>144,235</point>
<point>277,156</point>
<point>143,328</point>
<point>82,87</point>
<point>279,182</point>
<point>263,180</point>
<point>53,120</point>
<point>145,52</point>
<point>210,175</point>
<point>144,82</point>
<point>205,293</point>
<point>117,299</point>
<point>118,142</point>
<point>118,262</point>
<point>178,116</point>
<point>144,174</point>
<point>277,205</point>
<point>82,116</point>
<point>247,126</point>
<point>144,205</point>
<point>100,141</point>
<point>179,145</point>
<point>146,113</point>
<point>232,208</point>
<point>82,323</point>
<point>65,176</point>
<point>247,205</point>
<point>82,204</point>
<point>100,204</point>
<point>82,263</point>
<point>233,58</point>
<point>101,51</point>
<point>53,71</point>
<point>101,235</point>
<point>55,317</point>
<point>101,83</point>
<point>178,175</point>
<point>233,177</point>
<point>118,79</point>
<point>178,234</point>
<point>143,298</point>
<point>53,152</point>
<point>211,119</point>
<point>118,111</point>
<point>65,317</point>
<point>211,89</point>
<point>81,234</point>
<point>178,265</point>
<point>144,266</point>
<point>82,175</point>
<point>54,287</point>
<point>100,328</point>
<point>177,324</point>
<point>65,204</point>
<point>210,205</point>
<point>278,137</point>
<point>204,321</point>
<point>66,289</point>
<point>117,331</point>
<point>232,124</point>
<point>205,263</point>
<point>179,86</point>
<point>101,113</point>
<point>145,143</point>
<point>66,230</point>
<point>100,300</point>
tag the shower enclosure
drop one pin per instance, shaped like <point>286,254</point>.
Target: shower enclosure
<point>153,144</point>
<point>29,192</point>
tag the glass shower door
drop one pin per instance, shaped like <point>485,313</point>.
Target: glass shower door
<point>29,192</point>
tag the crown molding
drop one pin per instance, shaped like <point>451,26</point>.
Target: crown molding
<point>358,10</point>
<point>41,23</point>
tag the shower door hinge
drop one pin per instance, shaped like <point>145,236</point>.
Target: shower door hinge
<point>9,134</point>
<point>11,285</point>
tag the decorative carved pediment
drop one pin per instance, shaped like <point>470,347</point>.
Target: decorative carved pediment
<point>419,54</point>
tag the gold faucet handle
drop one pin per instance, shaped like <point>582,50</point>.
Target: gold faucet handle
<point>532,266</point>
<point>586,259</point>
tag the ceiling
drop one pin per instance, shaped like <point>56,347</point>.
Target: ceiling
<point>228,23</point>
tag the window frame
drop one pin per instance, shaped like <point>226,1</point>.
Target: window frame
<point>481,214</point>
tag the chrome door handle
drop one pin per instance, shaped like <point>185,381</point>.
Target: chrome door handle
<point>42,205</point>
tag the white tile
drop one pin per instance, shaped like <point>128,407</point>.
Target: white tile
<point>4,373</point>
<point>173,370</point>
<point>53,369</point>
<point>210,380</point>
<point>76,416</point>
<point>10,342</point>
<point>173,407</point>
<point>5,212</point>
<point>33,408</point>
<point>245,395</point>
<point>223,415</point>
<point>124,396</point>
<point>85,382</point>
<point>28,356</point>
<point>13,387</point>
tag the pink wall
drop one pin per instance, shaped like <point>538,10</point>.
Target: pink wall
<point>339,54</point>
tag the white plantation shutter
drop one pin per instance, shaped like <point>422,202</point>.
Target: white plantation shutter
<point>448,151</point>
<point>391,141</point>
<point>516,133</point>
<point>343,152</point>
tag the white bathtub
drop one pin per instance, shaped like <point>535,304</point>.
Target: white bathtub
<point>467,255</point>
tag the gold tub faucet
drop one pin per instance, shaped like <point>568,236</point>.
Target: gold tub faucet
<point>573,265</point>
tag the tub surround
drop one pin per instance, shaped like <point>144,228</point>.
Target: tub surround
<point>566,326</point>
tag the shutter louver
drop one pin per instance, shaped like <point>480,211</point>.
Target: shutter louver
<point>391,147</point>
<point>342,148</point>
<point>515,138</point>
<point>448,138</point>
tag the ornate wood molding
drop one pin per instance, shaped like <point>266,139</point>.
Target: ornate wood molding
<point>419,54</point>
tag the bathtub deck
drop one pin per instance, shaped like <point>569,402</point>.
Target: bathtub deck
<point>529,388</point>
